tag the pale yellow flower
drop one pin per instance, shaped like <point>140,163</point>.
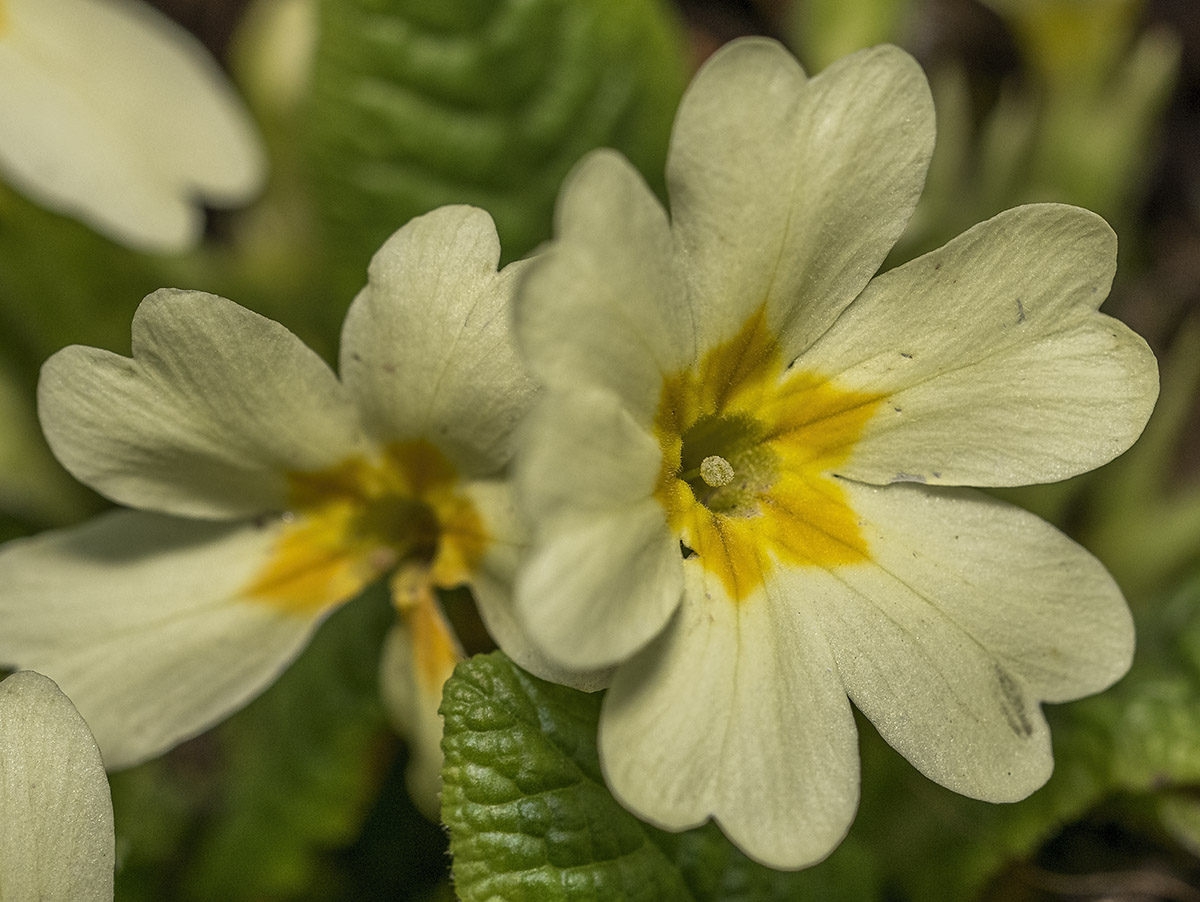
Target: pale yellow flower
<point>746,472</point>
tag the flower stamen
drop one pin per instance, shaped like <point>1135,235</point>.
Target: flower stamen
<point>716,471</point>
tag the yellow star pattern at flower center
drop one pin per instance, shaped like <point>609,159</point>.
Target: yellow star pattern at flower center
<point>355,521</point>
<point>782,432</point>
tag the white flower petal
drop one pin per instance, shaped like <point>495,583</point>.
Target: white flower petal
<point>492,581</point>
<point>969,614</point>
<point>995,367</point>
<point>56,835</point>
<point>111,112</point>
<point>217,405</point>
<point>583,451</point>
<point>427,348</point>
<point>790,192</point>
<point>598,587</point>
<point>1044,606</point>
<point>736,712</point>
<point>604,305</point>
<point>144,621</point>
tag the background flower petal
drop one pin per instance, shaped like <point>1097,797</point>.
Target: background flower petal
<point>56,836</point>
<point>605,305</point>
<point>996,367</point>
<point>736,712</point>
<point>419,654</point>
<point>143,621</point>
<point>113,113</point>
<point>427,348</point>
<point>969,614</point>
<point>790,192</point>
<point>216,406</point>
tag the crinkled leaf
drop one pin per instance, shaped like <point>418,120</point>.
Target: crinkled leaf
<point>419,103</point>
<point>530,817</point>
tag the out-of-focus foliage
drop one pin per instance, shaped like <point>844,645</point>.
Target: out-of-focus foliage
<point>1077,126</point>
<point>418,103</point>
<point>1141,522</point>
<point>826,30</point>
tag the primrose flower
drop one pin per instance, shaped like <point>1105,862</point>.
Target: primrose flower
<point>112,113</point>
<point>56,836</point>
<point>745,471</point>
<point>268,492</point>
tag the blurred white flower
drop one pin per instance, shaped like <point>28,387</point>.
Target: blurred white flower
<point>113,114</point>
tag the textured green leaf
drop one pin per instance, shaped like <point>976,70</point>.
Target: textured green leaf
<point>419,103</point>
<point>530,817</point>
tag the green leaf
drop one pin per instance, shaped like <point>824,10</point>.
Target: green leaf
<point>419,103</point>
<point>530,817</point>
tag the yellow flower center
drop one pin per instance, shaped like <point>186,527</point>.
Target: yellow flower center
<point>350,524</point>
<point>749,449</point>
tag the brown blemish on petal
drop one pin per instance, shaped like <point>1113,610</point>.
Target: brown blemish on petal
<point>1013,704</point>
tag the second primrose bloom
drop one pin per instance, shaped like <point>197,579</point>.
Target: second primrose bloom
<point>266,492</point>
<point>746,472</point>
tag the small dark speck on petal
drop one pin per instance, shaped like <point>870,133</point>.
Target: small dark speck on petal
<point>389,368</point>
<point>897,409</point>
<point>686,552</point>
<point>906,356</point>
<point>356,357</point>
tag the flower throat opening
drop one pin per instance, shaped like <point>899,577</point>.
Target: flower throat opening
<point>750,448</point>
<point>725,463</point>
<point>353,522</point>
